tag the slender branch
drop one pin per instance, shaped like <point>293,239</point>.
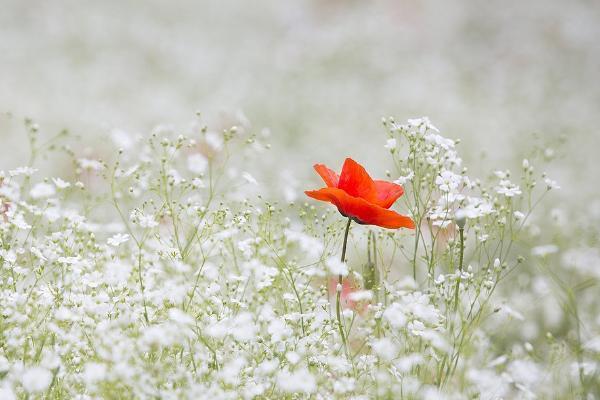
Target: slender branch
<point>461,232</point>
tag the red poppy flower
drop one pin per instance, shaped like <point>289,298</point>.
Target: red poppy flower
<point>361,198</point>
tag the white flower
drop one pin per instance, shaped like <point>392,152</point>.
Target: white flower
<point>292,357</point>
<point>121,139</point>
<point>197,163</point>
<point>395,315</point>
<point>26,171</point>
<point>336,267</point>
<point>422,122</point>
<point>143,220</point>
<point>311,246</point>
<point>94,372</point>
<point>508,189</point>
<point>36,379</point>
<point>249,178</point>
<point>385,348</point>
<point>406,178</point>
<point>6,392</point>
<point>361,295</point>
<point>243,327</point>
<point>448,181</point>
<point>525,372</point>
<point>42,190</point>
<point>550,184</point>
<point>92,165</point>
<point>117,272</point>
<point>542,251</point>
<point>477,207</point>
<point>214,140</point>
<point>300,381</point>
<point>118,239</point>
<point>180,317</point>
<point>278,330</point>
<point>60,184</point>
<point>391,144</point>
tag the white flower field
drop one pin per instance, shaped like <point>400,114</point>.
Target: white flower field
<point>229,200</point>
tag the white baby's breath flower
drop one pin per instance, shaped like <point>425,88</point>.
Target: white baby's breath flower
<point>336,267</point>
<point>26,171</point>
<point>543,251</point>
<point>249,178</point>
<point>36,379</point>
<point>508,189</point>
<point>60,184</point>
<point>121,139</point>
<point>550,184</point>
<point>89,164</point>
<point>118,239</point>
<point>518,215</point>
<point>143,220</point>
<point>395,315</point>
<point>385,348</point>
<point>361,295</point>
<point>300,381</point>
<point>42,190</point>
<point>448,181</point>
<point>6,392</point>
<point>391,144</point>
<point>94,372</point>
<point>403,179</point>
<point>197,163</point>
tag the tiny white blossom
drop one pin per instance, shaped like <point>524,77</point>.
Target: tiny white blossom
<point>94,372</point>
<point>249,178</point>
<point>42,190</point>
<point>93,165</point>
<point>508,189</point>
<point>543,251</point>
<point>403,179</point>
<point>391,144</point>
<point>336,267</point>
<point>300,381</point>
<point>197,163</point>
<point>550,184</point>
<point>448,181</point>
<point>26,171</point>
<point>118,239</point>
<point>60,184</point>
<point>36,379</point>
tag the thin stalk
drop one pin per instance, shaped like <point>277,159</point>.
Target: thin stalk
<point>461,232</point>
<point>338,307</point>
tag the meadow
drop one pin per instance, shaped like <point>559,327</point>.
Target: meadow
<point>228,201</point>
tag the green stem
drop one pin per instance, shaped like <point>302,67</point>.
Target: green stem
<point>461,232</point>
<point>414,263</point>
<point>338,311</point>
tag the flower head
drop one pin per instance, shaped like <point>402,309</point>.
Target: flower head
<point>361,198</point>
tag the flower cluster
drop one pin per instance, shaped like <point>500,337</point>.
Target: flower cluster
<point>159,270</point>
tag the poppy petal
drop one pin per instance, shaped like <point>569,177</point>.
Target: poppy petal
<point>329,177</point>
<point>387,193</point>
<point>361,210</point>
<point>355,181</point>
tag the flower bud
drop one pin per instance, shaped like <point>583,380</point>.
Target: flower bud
<point>460,217</point>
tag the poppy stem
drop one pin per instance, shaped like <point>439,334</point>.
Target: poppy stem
<point>339,288</point>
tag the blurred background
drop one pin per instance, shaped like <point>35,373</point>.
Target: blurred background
<point>502,76</point>
<point>511,79</point>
